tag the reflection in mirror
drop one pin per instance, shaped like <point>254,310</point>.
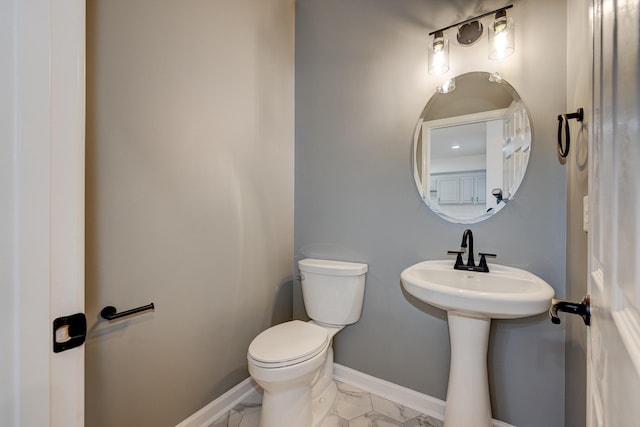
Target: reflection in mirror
<point>471,148</point>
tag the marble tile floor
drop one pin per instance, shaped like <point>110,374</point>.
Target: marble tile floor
<point>352,408</point>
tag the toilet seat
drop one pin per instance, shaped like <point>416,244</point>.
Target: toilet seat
<point>287,344</point>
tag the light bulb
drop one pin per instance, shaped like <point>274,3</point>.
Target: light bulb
<point>500,24</point>
<point>438,44</point>
<point>501,36</point>
<point>439,54</point>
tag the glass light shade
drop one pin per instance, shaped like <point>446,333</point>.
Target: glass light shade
<point>438,55</point>
<point>501,38</point>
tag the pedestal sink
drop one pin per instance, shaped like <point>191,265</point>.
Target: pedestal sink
<point>471,300</point>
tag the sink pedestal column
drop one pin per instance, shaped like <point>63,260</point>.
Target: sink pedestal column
<point>468,401</point>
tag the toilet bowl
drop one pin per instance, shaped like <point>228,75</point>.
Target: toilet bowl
<point>290,361</point>
<point>293,361</point>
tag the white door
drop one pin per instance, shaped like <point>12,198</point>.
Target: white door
<point>44,118</point>
<point>614,206</point>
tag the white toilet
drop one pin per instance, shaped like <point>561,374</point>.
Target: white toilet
<point>293,361</point>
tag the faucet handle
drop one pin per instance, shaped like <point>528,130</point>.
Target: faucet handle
<point>459,261</point>
<point>482,265</point>
<point>483,255</point>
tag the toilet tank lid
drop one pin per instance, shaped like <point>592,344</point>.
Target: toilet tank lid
<point>332,268</point>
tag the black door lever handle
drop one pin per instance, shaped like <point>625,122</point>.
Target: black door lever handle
<point>583,309</point>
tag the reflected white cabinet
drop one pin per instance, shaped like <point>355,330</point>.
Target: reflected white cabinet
<point>448,189</point>
<point>480,188</point>
<point>467,189</point>
<point>459,188</point>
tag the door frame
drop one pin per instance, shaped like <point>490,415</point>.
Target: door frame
<point>42,222</point>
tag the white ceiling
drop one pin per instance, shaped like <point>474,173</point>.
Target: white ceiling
<point>470,137</point>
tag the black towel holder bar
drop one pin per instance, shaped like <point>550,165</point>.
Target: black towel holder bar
<point>111,313</point>
<point>563,121</point>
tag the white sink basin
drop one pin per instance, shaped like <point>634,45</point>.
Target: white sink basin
<point>503,293</point>
<point>472,299</point>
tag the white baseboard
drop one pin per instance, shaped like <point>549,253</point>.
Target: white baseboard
<point>411,399</point>
<point>223,404</point>
<point>420,402</point>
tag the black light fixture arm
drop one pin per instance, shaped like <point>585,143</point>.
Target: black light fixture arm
<point>475,18</point>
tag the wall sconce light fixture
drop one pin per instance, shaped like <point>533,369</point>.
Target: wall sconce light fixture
<point>501,36</point>
<point>501,39</point>
<point>438,54</point>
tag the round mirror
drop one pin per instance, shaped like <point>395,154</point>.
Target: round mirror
<point>471,147</point>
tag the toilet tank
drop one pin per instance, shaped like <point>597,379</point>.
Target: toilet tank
<point>333,291</point>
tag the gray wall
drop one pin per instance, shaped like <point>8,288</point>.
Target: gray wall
<point>579,76</point>
<point>9,309</point>
<point>361,83</point>
<point>189,198</point>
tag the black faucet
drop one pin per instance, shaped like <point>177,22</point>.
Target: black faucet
<point>467,235</point>
<point>467,239</point>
